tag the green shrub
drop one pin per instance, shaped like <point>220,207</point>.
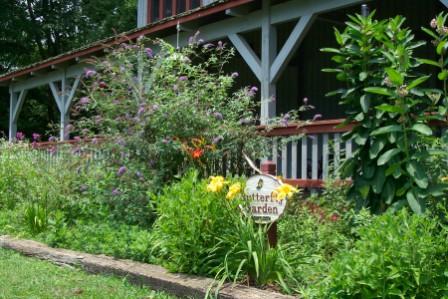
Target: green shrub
<point>190,219</point>
<point>397,256</point>
<point>384,97</point>
<point>244,255</point>
<point>118,240</point>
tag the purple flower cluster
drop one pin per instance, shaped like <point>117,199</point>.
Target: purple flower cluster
<point>20,136</point>
<point>121,171</point>
<point>89,73</point>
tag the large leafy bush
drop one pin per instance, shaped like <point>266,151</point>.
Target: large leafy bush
<point>397,256</point>
<point>391,113</point>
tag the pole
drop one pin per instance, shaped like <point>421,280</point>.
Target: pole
<point>269,167</point>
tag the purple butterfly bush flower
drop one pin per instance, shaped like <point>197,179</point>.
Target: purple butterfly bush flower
<point>122,170</point>
<point>317,116</point>
<point>209,46</point>
<point>94,140</point>
<point>221,45</point>
<point>20,136</point>
<point>218,139</point>
<point>218,115</point>
<point>285,120</point>
<point>36,137</point>
<point>183,78</point>
<point>116,192</point>
<point>305,101</point>
<point>89,73</point>
<point>52,139</point>
<point>84,101</point>
<point>252,91</point>
<point>141,109</point>
<point>235,75</point>
<point>77,138</point>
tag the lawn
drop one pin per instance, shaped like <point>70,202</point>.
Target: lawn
<point>23,277</point>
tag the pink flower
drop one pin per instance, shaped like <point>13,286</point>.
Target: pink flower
<point>36,137</point>
<point>89,73</point>
<point>122,170</point>
<point>84,101</point>
<point>317,116</point>
<point>149,52</point>
<point>20,136</point>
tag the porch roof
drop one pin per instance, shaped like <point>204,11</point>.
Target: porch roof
<point>93,48</point>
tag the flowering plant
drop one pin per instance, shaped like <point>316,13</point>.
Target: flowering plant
<point>172,109</point>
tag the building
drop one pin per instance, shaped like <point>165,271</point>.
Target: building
<point>278,42</point>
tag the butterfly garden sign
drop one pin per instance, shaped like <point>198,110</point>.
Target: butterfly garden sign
<point>262,193</point>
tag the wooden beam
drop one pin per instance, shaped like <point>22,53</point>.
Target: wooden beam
<point>74,87</point>
<point>239,11</point>
<point>45,79</point>
<point>291,45</point>
<point>247,53</point>
<point>19,105</point>
<point>268,54</point>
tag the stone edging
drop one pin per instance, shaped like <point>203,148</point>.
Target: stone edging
<point>155,277</point>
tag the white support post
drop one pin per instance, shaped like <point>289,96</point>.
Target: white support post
<point>268,53</point>
<point>142,13</point>
<point>63,97</point>
<point>15,106</point>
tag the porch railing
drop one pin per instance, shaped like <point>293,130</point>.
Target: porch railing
<point>315,156</point>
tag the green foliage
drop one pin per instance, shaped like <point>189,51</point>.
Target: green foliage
<point>36,217</point>
<point>190,219</point>
<point>391,111</point>
<point>172,110</point>
<point>117,240</point>
<point>397,256</point>
<point>244,254</point>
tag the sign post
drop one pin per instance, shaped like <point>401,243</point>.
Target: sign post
<point>269,167</point>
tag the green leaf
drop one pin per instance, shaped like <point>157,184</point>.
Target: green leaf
<point>362,76</point>
<point>378,181</point>
<point>378,90</point>
<point>417,82</point>
<point>395,76</point>
<point>387,129</point>
<point>422,129</point>
<point>417,172</point>
<point>376,148</point>
<point>330,50</point>
<point>430,33</point>
<point>364,191</point>
<point>338,36</point>
<point>416,205</point>
<point>389,108</point>
<point>441,47</point>
<point>429,62</point>
<point>365,103</point>
<point>443,75</point>
<point>384,158</point>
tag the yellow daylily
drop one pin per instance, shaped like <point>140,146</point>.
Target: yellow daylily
<point>285,191</point>
<point>234,190</point>
<point>216,184</point>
